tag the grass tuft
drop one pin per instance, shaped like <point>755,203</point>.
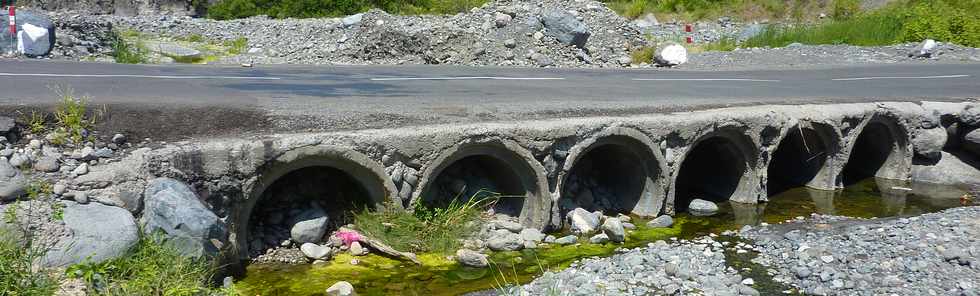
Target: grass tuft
<point>71,115</point>
<point>129,53</point>
<point>643,54</point>
<point>152,267</point>
<point>425,229</point>
<point>237,46</point>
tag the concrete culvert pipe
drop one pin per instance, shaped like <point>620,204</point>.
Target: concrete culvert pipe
<point>484,170</point>
<point>615,174</point>
<point>303,195</point>
<point>879,151</point>
<point>799,159</point>
<point>718,168</point>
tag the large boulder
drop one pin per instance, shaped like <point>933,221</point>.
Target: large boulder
<point>971,142</point>
<point>582,221</point>
<point>172,208</point>
<point>671,55</point>
<point>471,258</point>
<point>13,184</point>
<point>310,225</point>
<point>700,207</point>
<point>8,129</point>
<point>503,240</point>
<point>928,143</point>
<point>35,34</point>
<point>613,228</point>
<point>925,49</point>
<point>565,27</point>
<point>949,170</point>
<point>173,50</point>
<point>97,232</point>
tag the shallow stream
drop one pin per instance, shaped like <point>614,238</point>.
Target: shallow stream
<point>376,275</point>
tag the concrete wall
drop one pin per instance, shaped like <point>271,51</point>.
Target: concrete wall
<point>397,165</point>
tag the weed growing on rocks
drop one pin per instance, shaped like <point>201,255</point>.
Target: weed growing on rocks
<point>237,46</point>
<point>152,267</point>
<point>129,53</point>
<point>20,247</point>
<point>71,115</point>
<point>425,229</point>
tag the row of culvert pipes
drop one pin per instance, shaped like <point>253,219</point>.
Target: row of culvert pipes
<point>617,168</point>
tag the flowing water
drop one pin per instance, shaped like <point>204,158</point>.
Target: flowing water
<point>376,275</point>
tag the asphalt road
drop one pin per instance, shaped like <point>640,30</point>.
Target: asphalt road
<point>354,97</point>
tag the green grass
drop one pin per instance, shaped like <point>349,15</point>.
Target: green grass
<point>237,46</point>
<point>708,9</point>
<point>19,247</point>
<point>129,53</point>
<point>426,229</point>
<point>233,9</point>
<point>643,54</point>
<point>908,21</point>
<point>71,116</point>
<point>153,267</point>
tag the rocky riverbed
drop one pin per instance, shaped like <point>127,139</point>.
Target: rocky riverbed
<point>931,254</point>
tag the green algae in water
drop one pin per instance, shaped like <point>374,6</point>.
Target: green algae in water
<point>376,275</point>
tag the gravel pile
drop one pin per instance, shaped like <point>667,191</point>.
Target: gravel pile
<point>679,267</point>
<point>932,254</point>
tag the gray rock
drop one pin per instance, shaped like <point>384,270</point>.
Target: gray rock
<point>103,153</point>
<point>36,34</point>
<point>80,169</point>
<point>565,27</point>
<point>352,20</point>
<point>542,60</point>
<point>119,139</point>
<point>700,207</point>
<point>81,197</point>
<point>173,209</point>
<point>949,170</point>
<point>971,142</point>
<point>533,235</point>
<point>341,288</point>
<point>503,240</point>
<point>648,20</point>
<point>47,164</point>
<point>8,129</point>
<point>567,240</point>
<point>471,258</point>
<point>929,143</point>
<point>510,43</point>
<point>663,221</point>
<point>172,50</point>
<point>357,250</point>
<point>7,152</point>
<point>582,221</point>
<point>19,160</point>
<point>501,19</point>
<point>925,49</point>
<point>310,225</point>
<point>510,226</point>
<point>315,251</point>
<point>550,239</point>
<point>98,232</point>
<point>599,238</point>
<point>13,184</point>
<point>613,228</point>
<point>629,226</point>
<point>971,115</point>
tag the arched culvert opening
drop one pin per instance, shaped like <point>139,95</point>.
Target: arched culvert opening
<point>297,191</point>
<point>799,158</point>
<point>877,152</point>
<point>717,169</point>
<point>615,174</point>
<point>488,169</point>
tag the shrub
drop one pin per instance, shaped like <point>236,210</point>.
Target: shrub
<point>643,54</point>
<point>232,9</point>
<point>127,53</point>
<point>425,229</point>
<point>844,9</point>
<point>71,115</point>
<point>942,21</point>
<point>237,46</point>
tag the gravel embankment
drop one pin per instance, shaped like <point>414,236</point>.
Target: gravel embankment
<point>932,254</point>
<point>679,267</point>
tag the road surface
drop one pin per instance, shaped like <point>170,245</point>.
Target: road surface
<point>353,97</point>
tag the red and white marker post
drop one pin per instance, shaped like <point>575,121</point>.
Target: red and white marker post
<point>689,29</point>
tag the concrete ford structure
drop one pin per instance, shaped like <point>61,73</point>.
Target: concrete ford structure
<point>665,160</point>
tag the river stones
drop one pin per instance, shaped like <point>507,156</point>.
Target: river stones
<point>582,221</point>
<point>700,207</point>
<point>599,238</point>
<point>471,258</point>
<point>341,288</point>
<point>566,240</point>
<point>315,251</point>
<point>309,225</point>
<point>13,184</point>
<point>533,235</point>
<point>503,240</point>
<point>357,250</point>
<point>613,228</point>
<point>663,221</point>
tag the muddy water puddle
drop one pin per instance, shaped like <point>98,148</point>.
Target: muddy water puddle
<point>376,275</point>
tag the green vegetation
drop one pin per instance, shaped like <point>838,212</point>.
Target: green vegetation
<point>20,248</point>
<point>71,116</point>
<point>436,229</point>
<point>129,53</point>
<point>237,46</point>
<point>704,9</point>
<point>643,55</point>
<point>908,21</point>
<point>232,9</point>
<point>152,267</point>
